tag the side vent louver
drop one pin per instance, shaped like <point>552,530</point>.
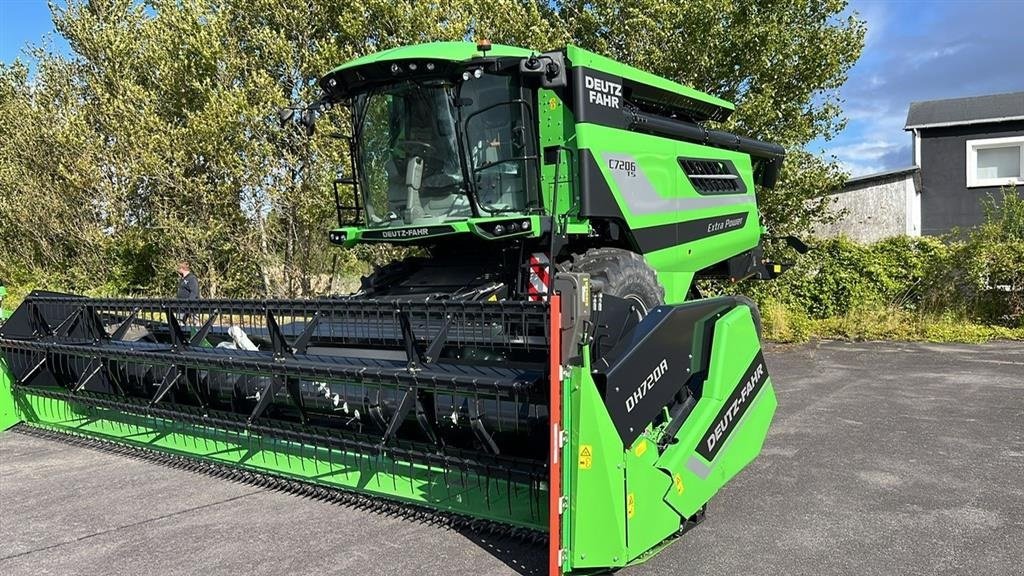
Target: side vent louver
<point>712,176</point>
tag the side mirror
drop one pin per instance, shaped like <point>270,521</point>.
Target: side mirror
<point>548,67</point>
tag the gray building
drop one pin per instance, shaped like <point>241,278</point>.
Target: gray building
<point>966,148</point>
<point>877,206</point>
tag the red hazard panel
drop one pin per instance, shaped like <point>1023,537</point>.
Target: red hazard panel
<point>555,464</point>
<point>540,276</point>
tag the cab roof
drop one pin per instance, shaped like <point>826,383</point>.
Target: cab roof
<point>451,51</point>
<point>671,93</point>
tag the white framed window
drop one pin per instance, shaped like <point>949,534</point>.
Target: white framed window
<point>995,161</point>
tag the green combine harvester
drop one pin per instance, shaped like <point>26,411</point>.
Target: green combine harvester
<point>549,371</point>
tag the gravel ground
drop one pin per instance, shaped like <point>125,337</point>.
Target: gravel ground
<point>885,458</point>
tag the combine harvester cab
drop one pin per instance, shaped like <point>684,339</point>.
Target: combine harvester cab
<point>549,372</point>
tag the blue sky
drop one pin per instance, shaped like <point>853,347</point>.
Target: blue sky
<point>922,50</point>
<point>916,50</point>
<point>24,22</point>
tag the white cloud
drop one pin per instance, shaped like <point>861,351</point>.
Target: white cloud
<point>869,157</point>
<point>921,51</point>
<point>864,150</point>
<point>926,56</point>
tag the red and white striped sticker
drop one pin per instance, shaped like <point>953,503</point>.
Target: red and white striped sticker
<point>540,276</point>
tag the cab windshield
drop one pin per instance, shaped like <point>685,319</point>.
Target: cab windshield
<point>426,149</point>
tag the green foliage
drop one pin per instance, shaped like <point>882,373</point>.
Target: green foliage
<point>840,275</point>
<point>906,288</point>
<point>876,322</point>
<point>782,323</point>
<point>985,273</point>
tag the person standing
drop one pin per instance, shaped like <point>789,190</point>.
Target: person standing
<point>188,287</point>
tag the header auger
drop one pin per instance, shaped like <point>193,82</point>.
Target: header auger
<point>548,371</point>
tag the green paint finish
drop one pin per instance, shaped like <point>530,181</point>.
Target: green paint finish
<point>558,128</point>
<point>677,264</point>
<point>677,284</point>
<point>451,51</point>
<point>569,383</point>
<point>656,163</point>
<point>581,57</point>
<point>734,347</point>
<point>649,520</point>
<point>465,51</point>
<point>597,499</point>
<point>625,505</point>
<point>9,413</point>
<point>469,494</point>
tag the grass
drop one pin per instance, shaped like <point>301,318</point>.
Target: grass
<point>878,322</point>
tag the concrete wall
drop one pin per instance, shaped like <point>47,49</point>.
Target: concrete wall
<point>946,201</point>
<point>876,209</point>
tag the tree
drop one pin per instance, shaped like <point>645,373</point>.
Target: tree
<point>157,138</point>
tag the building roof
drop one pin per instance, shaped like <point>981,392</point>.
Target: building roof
<point>886,175</point>
<point>960,111</point>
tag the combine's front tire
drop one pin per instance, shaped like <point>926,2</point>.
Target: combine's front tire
<point>621,273</point>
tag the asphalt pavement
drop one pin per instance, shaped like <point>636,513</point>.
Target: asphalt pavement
<point>884,458</point>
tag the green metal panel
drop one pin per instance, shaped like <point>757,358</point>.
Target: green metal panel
<point>624,506</point>
<point>656,163</point>
<point>453,51</point>
<point>649,520</point>
<point>734,346</point>
<point>677,284</point>
<point>469,493</point>
<point>569,383</point>
<point>557,128</point>
<point>657,168</point>
<point>9,413</point>
<point>597,506</point>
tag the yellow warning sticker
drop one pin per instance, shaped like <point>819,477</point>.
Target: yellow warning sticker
<point>630,505</point>
<point>677,481</point>
<point>586,456</point>
<point>641,448</point>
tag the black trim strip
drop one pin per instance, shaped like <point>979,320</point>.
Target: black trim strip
<point>735,406</point>
<point>669,235</point>
<point>406,233</point>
